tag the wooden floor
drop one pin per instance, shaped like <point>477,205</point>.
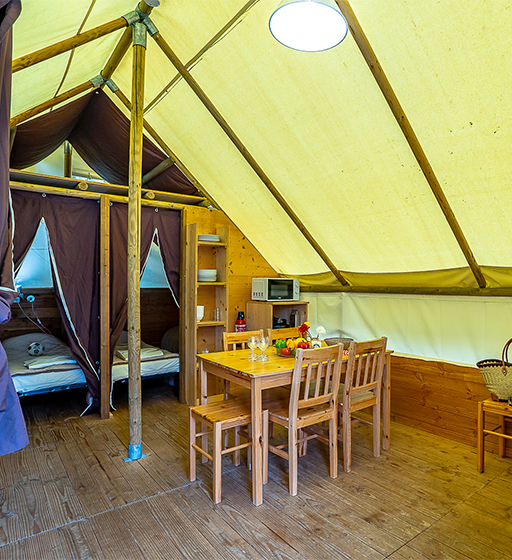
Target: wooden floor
<point>71,495</point>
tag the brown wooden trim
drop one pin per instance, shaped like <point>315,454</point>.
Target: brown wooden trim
<point>67,44</point>
<point>406,127</point>
<point>105,369</point>
<point>166,49</point>
<point>160,168</point>
<point>12,136</point>
<point>29,113</point>
<point>494,292</point>
<point>92,195</point>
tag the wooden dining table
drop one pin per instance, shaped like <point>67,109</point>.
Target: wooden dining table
<point>234,366</point>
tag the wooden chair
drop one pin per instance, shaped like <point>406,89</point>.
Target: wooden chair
<point>312,401</point>
<point>238,338</point>
<point>291,332</point>
<point>220,416</point>
<point>362,389</point>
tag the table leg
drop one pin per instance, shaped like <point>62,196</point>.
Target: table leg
<point>501,440</point>
<point>203,397</point>
<point>257,446</point>
<point>386,404</point>
<point>480,437</point>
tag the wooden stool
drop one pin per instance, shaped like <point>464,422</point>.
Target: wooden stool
<point>505,412</point>
<point>221,416</point>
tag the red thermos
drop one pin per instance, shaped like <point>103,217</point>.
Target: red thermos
<point>240,322</point>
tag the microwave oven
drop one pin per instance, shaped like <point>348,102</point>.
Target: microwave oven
<point>275,289</point>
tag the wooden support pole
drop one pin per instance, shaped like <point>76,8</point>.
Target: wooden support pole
<point>166,49</point>
<point>160,168</point>
<point>68,158</point>
<point>67,44</point>
<point>403,122</point>
<point>105,369</point>
<point>134,225</point>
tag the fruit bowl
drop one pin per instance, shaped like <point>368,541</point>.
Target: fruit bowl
<point>287,352</point>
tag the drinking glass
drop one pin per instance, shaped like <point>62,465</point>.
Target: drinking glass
<point>253,343</point>
<point>263,345</point>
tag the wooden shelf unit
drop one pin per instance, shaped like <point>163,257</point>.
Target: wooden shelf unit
<point>259,314</point>
<point>205,334</point>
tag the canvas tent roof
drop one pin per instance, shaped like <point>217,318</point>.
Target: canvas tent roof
<point>319,127</point>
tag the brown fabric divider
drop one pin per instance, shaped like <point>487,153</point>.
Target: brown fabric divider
<point>36,139</point>
<point>13,432</point>
<point>73,228</point>
<point>102,138</point>
<point>168,225</point>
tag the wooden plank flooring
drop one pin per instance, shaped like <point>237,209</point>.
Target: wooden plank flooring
<point>70,495</point>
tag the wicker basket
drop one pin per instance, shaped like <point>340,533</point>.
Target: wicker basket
<point>497,375</point>
<point>336,340</point>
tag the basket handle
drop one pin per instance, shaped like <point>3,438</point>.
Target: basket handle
<point>504,357</point>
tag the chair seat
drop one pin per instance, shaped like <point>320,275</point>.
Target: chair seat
<point>358,397</point>
<point>231,410</point>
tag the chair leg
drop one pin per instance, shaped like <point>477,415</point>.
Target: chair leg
<point>249,449</point>
<point>217,461</point>
<point>376,429</point>
<point>347,441</point>
<point>480,438</point>
<point>293,460</point>
<point>236,454</point>
<point>191,450</point>
<point>333,448</point>
<point>265,446</point>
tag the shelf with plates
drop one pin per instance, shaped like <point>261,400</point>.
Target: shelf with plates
<point>205,284</point>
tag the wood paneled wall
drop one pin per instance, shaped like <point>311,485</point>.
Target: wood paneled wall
<point>440,398</point>
<point>244,263</point>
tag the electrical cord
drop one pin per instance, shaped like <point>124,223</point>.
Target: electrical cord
<point>38,324</point>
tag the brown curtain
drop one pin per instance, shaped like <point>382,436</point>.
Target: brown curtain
<point>13,432</point>
<point>164,227</point>
<point>100,134</point>
<point>36,139</point>
<point>73,230</point>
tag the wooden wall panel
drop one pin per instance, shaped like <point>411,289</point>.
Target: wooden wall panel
<point>44,307</point>
<point>440,398</point>
<point>244,262</point>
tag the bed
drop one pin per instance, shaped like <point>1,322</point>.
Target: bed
<point>57,370</point>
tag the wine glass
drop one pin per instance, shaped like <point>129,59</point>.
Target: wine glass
<point>263,345</point>
<point>253,343</point>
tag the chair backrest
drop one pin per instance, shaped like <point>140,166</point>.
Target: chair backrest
<point>291,332</point>
<point>230,340</point>
<point>365,366</point>
<point>316,378</point>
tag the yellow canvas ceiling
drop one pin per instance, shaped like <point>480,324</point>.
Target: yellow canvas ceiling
<point>320,128</point>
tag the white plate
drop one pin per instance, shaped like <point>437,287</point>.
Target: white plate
<point>207,237</point>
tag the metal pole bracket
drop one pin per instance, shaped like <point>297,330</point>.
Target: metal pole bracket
<point>139,34</point>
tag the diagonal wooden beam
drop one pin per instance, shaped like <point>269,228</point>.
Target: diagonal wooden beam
<point>160,168</point>
<point>21,117</point>
<point>403,122</point>
<point>67,44</point>
<point>213,41</point>
<point>165,148</point>
<point>166,49</point>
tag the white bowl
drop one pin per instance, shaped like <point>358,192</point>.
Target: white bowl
<point>200,312</point>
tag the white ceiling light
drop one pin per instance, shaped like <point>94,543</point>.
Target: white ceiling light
<point>308,25</point>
